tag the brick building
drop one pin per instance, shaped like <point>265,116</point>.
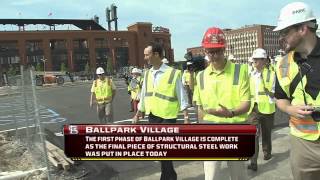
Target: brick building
<point>243,41</point>
<point>91,44</point>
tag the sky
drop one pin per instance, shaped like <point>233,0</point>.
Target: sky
<point>186,19</point>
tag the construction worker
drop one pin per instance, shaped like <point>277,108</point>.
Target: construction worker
<point>262,82</point>
<point>135,88</point>
<point>162,87</point>
<point>187,81</point>
<point>223,95</point>
<point>103,90</point>
<point>297,87</point>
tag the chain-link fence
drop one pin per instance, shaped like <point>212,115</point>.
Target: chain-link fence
<point>22,141</point>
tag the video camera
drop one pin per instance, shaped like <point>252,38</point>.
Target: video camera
<point>198,62</point>
<point>316,114</point>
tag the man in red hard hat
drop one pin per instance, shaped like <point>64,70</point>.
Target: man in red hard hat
<point>223,95</point>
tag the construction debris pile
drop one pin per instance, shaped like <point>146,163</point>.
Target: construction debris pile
<point>17,161</point>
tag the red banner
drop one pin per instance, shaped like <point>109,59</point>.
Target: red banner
<point>159,142</point>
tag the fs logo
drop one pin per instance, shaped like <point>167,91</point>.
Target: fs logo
<point>73,129</point>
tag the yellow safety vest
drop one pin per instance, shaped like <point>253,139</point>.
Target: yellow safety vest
<point>102,90</point>
<point>287,69</point>
<point>135,87</point>
<point>224,91</point>
<point>187,78</point>
<point>263,101</point>
<point>162,100</point>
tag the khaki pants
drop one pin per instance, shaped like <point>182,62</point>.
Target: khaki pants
<point>236,169</point>
<point>212,169</point>
<point>264,123</point>
<point>305,158</point>
<point>105,113</point>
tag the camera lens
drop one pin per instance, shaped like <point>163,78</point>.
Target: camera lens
<point>316,115</point>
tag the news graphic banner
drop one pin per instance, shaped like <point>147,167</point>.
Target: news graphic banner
<point>159,142</point>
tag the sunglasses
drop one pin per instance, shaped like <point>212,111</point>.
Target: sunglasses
<point>213,52</point>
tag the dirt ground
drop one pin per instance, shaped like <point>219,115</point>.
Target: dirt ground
<point>15,156</point>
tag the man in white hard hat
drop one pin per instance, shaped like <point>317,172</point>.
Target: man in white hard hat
<point>135,88</point>
<point>297,87</point>
<point>103,90</point>
<point>262,82</point>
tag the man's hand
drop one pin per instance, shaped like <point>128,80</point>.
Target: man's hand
<point>221,112</point>
<point>186,120</point>
<point>139,115</point>
<point>300,111</point>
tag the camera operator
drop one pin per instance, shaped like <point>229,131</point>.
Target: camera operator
<point>297,87</point>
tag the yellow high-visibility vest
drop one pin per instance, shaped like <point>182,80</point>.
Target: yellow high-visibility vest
<point>223,88</point>
<point>265,106</point>
<point>103,90</point>
<point>161,100</point>
<point>287,70</point>
<point>135,87</point>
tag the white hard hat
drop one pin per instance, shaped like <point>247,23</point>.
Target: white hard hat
<point>294,13</point>
<point>259,53</point>
<point>165,60</point>
<point>99,70</point>
<point>230,57</point>
<point>189,63</point>
<point>135,70</point>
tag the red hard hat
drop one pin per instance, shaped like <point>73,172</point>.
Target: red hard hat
<point>214,38</point>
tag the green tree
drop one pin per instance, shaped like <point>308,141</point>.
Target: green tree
<point>87,68</point>
<point>39,67</point>
<point>63,67</point>
<point>12,70</point>
<point>109,66</point>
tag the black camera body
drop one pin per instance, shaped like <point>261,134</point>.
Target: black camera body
<point>316,114</point>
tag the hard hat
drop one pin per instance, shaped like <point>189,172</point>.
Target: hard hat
<point>294,13</point>
<point>135,70</point>
<point>259,53</point>
<point>214,38</point>
<point>231,57</point>
<point>165,60</point>
<point>189,63</point>
<point>99,70</point>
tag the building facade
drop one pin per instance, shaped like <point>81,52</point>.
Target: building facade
<point>76,49</point>
<point>243,41</point>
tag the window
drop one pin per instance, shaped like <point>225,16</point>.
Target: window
<point>80,44</point>
<point>101,43</point>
